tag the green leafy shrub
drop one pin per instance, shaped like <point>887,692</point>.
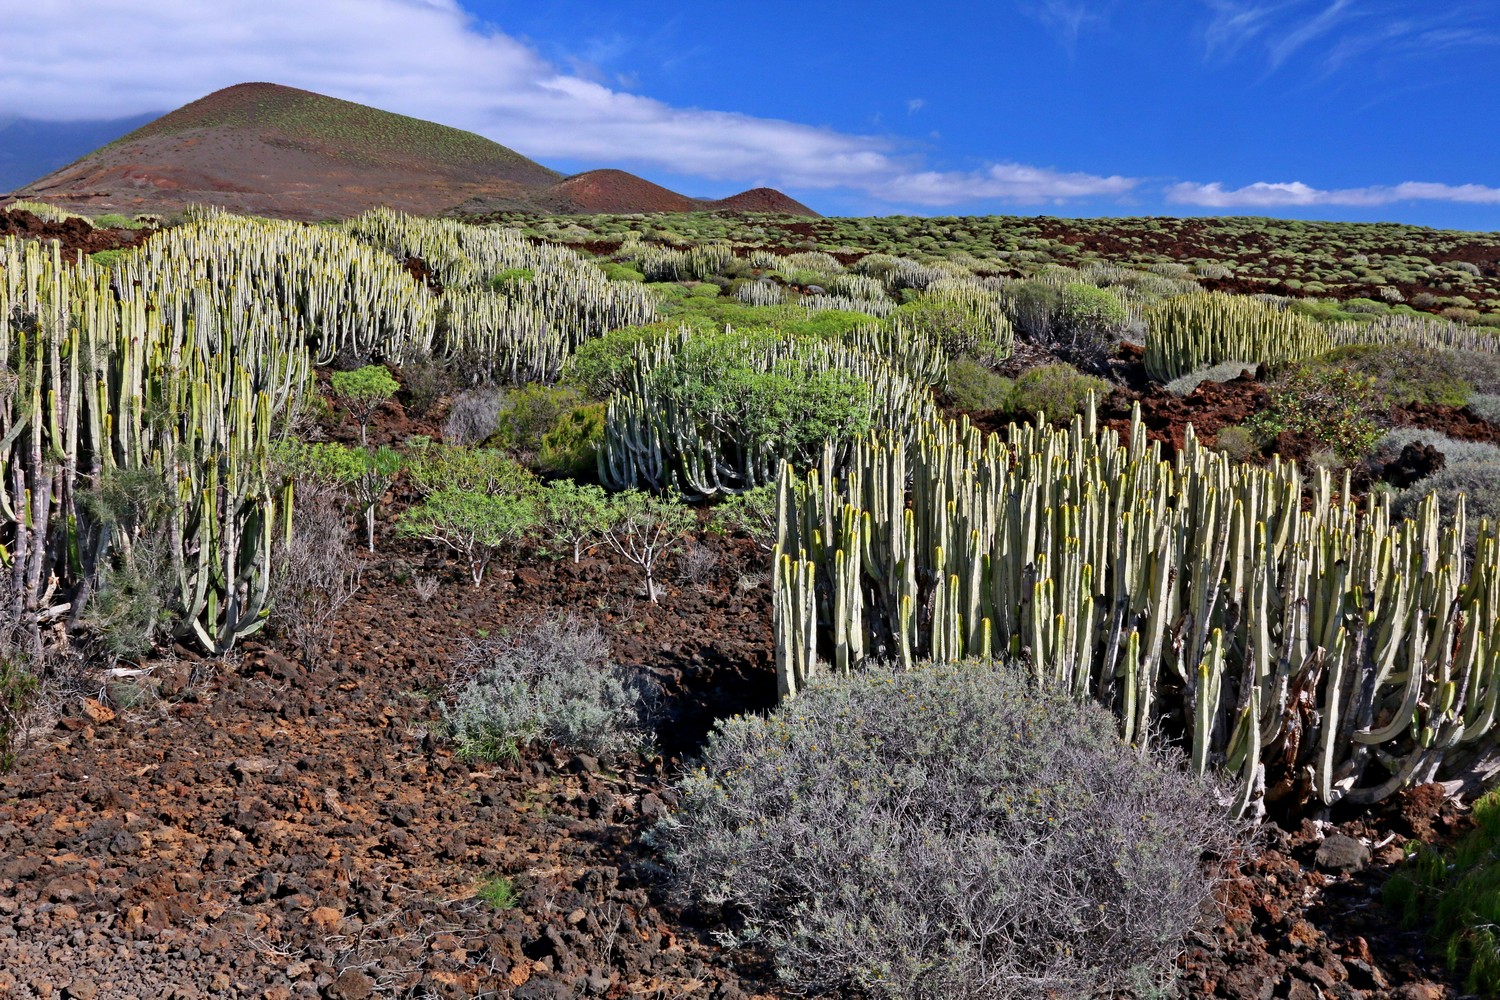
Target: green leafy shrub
<point>475,525</point>
<point>360,475</point>
<point>1237,442</point>
<point>511,280</point>
<point>1332,406</point>
<point>793,406</point>
<point>643,527</point>
<point>752,512</point>
<point>948,832</point>
<point>973,388</point>
<point>363,391</point>
<point>603,365</point>
<point>575,515</point>
<point>620,272</point>
<point>1059,391</point>
<point>552,684</point>
<point>963,319</point>
<point>529,412</point>
<point>1455,895</point>
<point>109,258</point>
<point>433,467</point>
<point>571,447</point>
<point>1404,375</point>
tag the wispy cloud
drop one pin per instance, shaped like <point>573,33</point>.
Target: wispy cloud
<point>1234,23</point>
<point>428,58</point>
<point>1309,29</point>
<point>1012,182</point>
<point>914,105</point>
<point>1296,194</point>
<point>1332,35</point>
<point>1067,18</point>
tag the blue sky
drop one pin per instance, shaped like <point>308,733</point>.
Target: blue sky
<point>1343,109</point>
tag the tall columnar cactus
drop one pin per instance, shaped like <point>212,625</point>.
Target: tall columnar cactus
<point>657,440</point>
<point>525,332</point>
<point>1324,651</point>
<point>1188,332</point>
<point>189,385</point>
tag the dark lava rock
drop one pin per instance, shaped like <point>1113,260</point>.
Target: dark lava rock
<point>1416,462</point>
<point>1342,854</point>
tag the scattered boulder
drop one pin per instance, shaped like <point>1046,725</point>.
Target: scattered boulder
<point>1342,855</point>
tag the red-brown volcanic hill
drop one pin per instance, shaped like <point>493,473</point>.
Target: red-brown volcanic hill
<point>273,150</point>
<point>617,192</point>
<point>762,199</point>
<point>611,192</point>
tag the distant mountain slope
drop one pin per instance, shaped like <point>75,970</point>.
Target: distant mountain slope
<point>29,148</point>
<point>274,150</point>
<point>265,149</point>
<point>761,199</point>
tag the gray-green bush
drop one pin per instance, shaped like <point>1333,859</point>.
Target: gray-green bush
<point>947,832</point>
<point>552,684</point>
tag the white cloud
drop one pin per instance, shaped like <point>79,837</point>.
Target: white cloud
<point>1298,194</point>
<point>91,59</point>
<point>1003,182</point>
<point>914,105</point>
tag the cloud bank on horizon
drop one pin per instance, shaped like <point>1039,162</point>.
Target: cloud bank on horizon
<point>434,59</point>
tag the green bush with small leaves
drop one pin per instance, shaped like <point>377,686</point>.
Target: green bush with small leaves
<point>1334,407</point>
<point>974,388</point>
<point>362,392</point>
<point>1059,391</point>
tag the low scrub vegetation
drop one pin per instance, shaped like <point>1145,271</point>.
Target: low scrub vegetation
<point>949,832</point>
<point>1455,895</point>
<point>552,685</point>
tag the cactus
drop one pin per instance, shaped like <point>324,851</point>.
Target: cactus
<point>1188,332</point>
<point>1326,647</point>
<point>656,439</point>
<point>186,387</point>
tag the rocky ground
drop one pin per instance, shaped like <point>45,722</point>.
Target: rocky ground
<point>253,827</point>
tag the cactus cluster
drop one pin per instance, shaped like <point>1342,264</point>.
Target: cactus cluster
<point>1306,642</point>
<point>187,383</point>
<point>1188,332</point>
<point>526,333</point>
<point>657,440</point>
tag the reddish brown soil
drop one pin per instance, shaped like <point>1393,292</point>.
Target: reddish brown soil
<point>1290,930</point>
<point>1462,424</point>
<point>612,192</point>
<point>761,199</point>
<point>75,235</point>
<point>254,827</point>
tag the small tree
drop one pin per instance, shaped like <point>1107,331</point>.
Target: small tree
<point>475,525</point>
<point>360,475</point>
<point>643,527</point>
<point>577,515</point>
<point>363,391</point>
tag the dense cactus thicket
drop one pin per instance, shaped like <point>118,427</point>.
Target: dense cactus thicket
<point>510,309</point>
<point>1323,646</point>
<point>127,420</point>
<point>1189,332</point>
<point>710,415</point>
